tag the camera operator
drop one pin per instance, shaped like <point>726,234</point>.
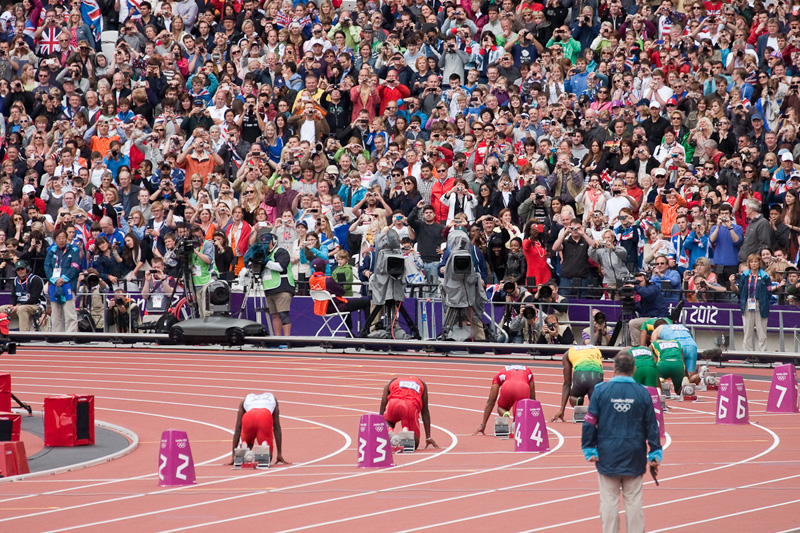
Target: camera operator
<point>553,333</point>
<point>278,284</point>
<point>550,302</point>
<point>92,289</point>
<point>27,298</point>
<point>158,288</point>
<point>518,320</point>
<point>598,334</point>
<point>123,312</point>
<point>651,304</point>
<point>201,262</point>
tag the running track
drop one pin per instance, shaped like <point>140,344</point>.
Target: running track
<point>715,478</point>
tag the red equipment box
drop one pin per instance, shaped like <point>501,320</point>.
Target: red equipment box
<point>5,393</point>
<point>10,424</point>
<point>13,461</point>
<point>69,420</point>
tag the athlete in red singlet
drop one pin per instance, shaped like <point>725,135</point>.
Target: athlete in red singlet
<point>259,421</point>
<point>404,400</point>
<point>511,384</point>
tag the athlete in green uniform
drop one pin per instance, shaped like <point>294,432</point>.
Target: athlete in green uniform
<point>647,328</point>
<point>646,372</point>
<point>669,360</point>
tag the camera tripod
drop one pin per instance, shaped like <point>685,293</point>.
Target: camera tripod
<point>392,307</point>
<point>189,293</point>
<point>255,291</point>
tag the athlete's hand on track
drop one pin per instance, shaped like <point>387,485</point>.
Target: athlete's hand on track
<point>480,430</point>
<point>558,416</point>
<point>280,460</point>
<point>430,442</point>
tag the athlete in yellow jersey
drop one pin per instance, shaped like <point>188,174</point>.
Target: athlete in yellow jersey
<point>583,369</point>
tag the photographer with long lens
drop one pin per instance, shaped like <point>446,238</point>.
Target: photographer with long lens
<point>123,312</point>
<point>196,260</point>
<point>515,317</point>
<point>27,298</point>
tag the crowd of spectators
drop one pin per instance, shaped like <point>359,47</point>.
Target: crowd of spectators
<point>578,143</point>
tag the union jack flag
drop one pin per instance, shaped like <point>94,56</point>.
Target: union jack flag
<point>48,41</point>
<point>92,16</point>
<point>134,9</point>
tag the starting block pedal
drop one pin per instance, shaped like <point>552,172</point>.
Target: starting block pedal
<point>663,401</point>
<point>579,413</point>
<point>407,441</point>
<point>238,456</point>
<point>665,389</point>
<point>688,393</point>
<point>502,427</point>
<point>261,456</point>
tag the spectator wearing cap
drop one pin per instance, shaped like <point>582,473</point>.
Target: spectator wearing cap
<point>654,125</point>
<point>27,296</point>
<point>758,131</point>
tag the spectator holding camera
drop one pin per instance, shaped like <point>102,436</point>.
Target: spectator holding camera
<point>598,333</point>
<point>158,287</point>
<point>726,239</point>
<point>517,325</point>
<point>555,333</point>
<point>460,199</point>
<point>701,282</point>
<point>574,244</point>
<point>612,259</point>
<point>124,313</point>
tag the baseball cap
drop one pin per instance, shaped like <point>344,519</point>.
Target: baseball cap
<point>332,169</point>
<point>659,172</point>
<point>28,189</point>
<point>617,103</point>
<point>643,101</point>
<point>198,101</point>
<point>20,264</point>
<point>672,101</point>
<point>319,264</point>
<point>787,156</point>
<point>757,116</point>
<point>655,105</point>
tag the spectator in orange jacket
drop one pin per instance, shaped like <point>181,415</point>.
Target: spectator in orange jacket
<point>441,186</point>
<point>669,210</point>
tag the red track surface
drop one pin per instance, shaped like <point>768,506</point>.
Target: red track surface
<point>715,478</point>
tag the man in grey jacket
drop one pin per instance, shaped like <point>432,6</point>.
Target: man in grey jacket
<point>758,234</point>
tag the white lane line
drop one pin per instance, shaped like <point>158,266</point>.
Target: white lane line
<point>775,443</point>
<point>391,489</point>
<point>348,442</point>
<point>248,495</point>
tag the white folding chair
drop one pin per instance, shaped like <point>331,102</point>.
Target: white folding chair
<point>328,319</point>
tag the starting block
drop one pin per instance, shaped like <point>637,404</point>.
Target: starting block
<point>10,425</point>
<point>579,413</point>
<point>261,455</point>
<point>783,390</point>
<point>14,461</point>
<point>658,407</point>
<point>665,386</point>
<point>530,428</point>
<point>175,466</point>
<point>374,450</point>
<point>502,427</point>
<point>688,393</point>
<point>732,401</point>
<point>238,456</point>
<point>407,441</point>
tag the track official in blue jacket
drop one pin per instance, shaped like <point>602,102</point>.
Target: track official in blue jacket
<point>617,430</point>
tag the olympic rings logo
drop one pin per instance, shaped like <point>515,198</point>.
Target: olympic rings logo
<point>622,407</point>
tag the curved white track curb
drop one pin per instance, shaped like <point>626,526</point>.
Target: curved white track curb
<point>130,435</point>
